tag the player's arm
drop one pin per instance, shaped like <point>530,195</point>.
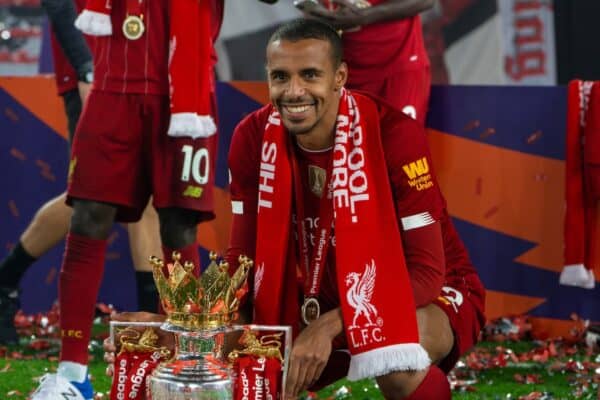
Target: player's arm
<point>419,207</point>
<point>243,170</point>
<point>349,15</point>
<point>62,15</point>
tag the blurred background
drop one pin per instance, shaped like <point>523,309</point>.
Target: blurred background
<point>495,42</point>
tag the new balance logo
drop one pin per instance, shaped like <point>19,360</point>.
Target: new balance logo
<point>193,191</point>
<point>416,168</point>
<point>71,394</point>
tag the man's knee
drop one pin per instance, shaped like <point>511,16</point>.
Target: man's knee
<point>178,227</point>
<point>435,332</point>
<point>92,219</point>
<point>398,385</point>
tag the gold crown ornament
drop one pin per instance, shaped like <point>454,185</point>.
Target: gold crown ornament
<point>193,304</point>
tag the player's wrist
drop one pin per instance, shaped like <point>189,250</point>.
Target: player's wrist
<point>85,73</point>
<point>331,323</point>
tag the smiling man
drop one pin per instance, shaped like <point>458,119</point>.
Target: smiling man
<point>334,196</point>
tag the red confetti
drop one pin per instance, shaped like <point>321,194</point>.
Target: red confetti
<point>48,176</point>
<point>478,186</point>
<point>113,236</point>
<point>489,213</point>
<point>534,137</point>
<point>105,309</point>
<point>12,206</point>
<point>42,164</point>
<point>472,125</point>
<point>50,276</point>
<point>487,133</point>
<point>9,112</point>
<point>17,154</point>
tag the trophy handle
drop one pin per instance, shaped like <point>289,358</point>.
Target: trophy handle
<point>287,344</point>
<point>114,325</point>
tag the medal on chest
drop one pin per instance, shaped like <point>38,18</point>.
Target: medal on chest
<point>133,25</point>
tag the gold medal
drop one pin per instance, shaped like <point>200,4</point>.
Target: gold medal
<point>311,310</point>
<point>133,27</point>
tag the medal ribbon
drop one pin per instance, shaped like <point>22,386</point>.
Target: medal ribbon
<point>135,7</point>
<point>313,262</point>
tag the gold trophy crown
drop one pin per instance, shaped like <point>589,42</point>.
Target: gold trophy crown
<point>209,302</point>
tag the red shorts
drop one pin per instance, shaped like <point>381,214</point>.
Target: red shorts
<point>122,155</point>
<point>407,91</point>
<point>464,310</point>
<point>465,313</point>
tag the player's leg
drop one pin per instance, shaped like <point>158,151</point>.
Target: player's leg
<point>106,182</point>
<point>447,328</point>
<point>51,222</point>
<point>183,177</point>
<point>437,338</point>
<point>144,241</point>
<point>435,335</point>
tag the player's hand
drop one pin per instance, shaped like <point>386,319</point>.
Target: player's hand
<point>346,16</point>
<point>308,358</point>
<point>164,338</point>
<point>84,90</point>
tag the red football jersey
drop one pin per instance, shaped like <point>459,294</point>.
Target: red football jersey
<point>417,196</point>
<point>384,49</point>
<point>140,66</point>
<point>134,66</point>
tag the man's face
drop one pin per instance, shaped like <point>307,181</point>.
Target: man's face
<point>304,84</point>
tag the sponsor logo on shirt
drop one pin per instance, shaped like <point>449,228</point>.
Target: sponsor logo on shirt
<point>193,191</point>
<point>418,174</point>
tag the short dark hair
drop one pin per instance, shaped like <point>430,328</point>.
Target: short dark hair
<point>304,28</point>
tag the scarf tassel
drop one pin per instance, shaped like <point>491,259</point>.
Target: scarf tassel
<point>94,23</point>
<point>384,360</point>
<point>577,275</point>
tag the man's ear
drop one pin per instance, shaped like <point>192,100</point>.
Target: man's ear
<point>341,75</point>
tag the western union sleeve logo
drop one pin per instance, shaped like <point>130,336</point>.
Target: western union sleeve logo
<point>416,168</point>
<point>418,174</point>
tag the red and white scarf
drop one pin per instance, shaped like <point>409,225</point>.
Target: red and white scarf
<point>190,67</point>
<point>374,287</point>
<point>582,185</point>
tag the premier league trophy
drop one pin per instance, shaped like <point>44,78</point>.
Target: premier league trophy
<point>207,363</point>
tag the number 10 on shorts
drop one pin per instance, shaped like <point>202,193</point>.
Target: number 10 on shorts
<point>195,163</point>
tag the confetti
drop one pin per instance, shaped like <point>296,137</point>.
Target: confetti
<point>11,114</point>
<point>478,186</point>
<point>17,154</point>
<point>12,206</point>
<point>534,137</point>
<point>490,213</point>
<point>471,125</point>
<point>50,276</point>
<point>487,133</point>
